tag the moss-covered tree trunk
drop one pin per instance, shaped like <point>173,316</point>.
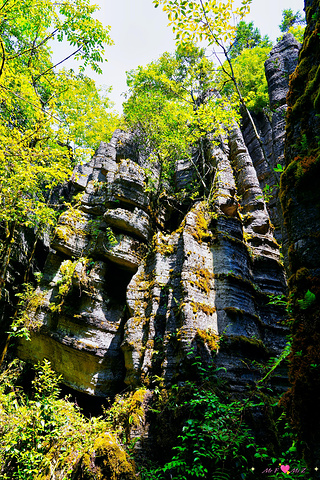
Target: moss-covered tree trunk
<point>300,198</point>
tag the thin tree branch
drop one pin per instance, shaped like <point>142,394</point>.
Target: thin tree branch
<point>34,47</point>
<point>3,56</point>
<point>56,65</point>
<point>167,87</point>
<point>198,173</point>
<point>5,3</point>
<point>242,101</point>
<point>30,103</point>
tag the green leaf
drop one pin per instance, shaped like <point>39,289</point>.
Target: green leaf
<point>307,301</point>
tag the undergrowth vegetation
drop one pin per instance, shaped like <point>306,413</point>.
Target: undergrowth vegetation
<point>199,430</point>
<point>216,439</point>
<point>45,437</point>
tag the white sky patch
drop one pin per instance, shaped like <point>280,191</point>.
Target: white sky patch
<point>141,35</point>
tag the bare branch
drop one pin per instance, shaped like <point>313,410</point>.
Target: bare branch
<point>59,63</point>
<point>3,56</point>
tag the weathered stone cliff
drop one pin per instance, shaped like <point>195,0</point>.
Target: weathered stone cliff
<point>28,253</point>
<point>18,269</point>
<point>123,298</point>
<point>300,198</point>
<point>137,285</point>
<point>271,127</point>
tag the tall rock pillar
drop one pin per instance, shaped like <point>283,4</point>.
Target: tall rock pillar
<point>300,198</point>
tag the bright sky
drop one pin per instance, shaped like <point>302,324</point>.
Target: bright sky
<point>141,35</point>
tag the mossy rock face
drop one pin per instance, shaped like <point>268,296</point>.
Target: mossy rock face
<point>113,315</point>
<point>300,198</point>
<point>209,338</point>
<point>107,461</point>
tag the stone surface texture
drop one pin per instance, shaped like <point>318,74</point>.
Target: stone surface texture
<point>130,291</point>
<point>271,127</point>
<point>122,300</point>
<point>300,198</point>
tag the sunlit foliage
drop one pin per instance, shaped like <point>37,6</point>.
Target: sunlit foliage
<point>249,69</point>
<point>42,133</point>
<point>248,36</point>
<point>173,105</point>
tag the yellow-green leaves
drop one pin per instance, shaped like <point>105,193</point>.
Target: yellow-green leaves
<point>33,24</point>
<point>298,32</point>
<point>247,36</point>
<point>204,20</point>
<point>48,119</point>
<point>24,175</point>
<point>173,106</point>
<point>85,116</point>
<point>42,104</point>
<point>248,68</point>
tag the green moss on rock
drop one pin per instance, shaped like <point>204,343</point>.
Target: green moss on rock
<point>209,338</point>
<point>107,461</point>
<point>300,200</point>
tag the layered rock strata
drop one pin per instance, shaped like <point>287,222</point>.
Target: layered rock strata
<point>122,300</point>
<point>279,66</point>
<point>28,249</point>
<point>137,286</point>
<point>99,243</point>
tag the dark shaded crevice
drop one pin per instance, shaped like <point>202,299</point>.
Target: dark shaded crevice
<point>116,283</point>
<point>90,406</point>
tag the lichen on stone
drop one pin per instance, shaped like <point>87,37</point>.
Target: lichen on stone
<point>209,338</point>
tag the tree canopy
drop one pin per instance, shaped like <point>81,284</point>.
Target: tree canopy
<point>208,20</point>
<point>40,125</point>
<point>248,36</point>
<point>247,54</point>
<point>173,105</point>
<point>293,23</point>
<point>214,23</point>
<point>290,19</point>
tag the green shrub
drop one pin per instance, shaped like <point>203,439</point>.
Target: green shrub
<point>45,437</point>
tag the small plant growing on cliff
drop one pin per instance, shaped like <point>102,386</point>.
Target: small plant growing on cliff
<point>24,320</point>
<point>307,301</point>
<point>279,168</point>
<point>67,269</point>
<point>213,437</point>
<point>275,362</point>
<point>126,413</point>
<point>64,284</point>
<point>267,193</point>
<point>111,237</point>
<point>278,300</point>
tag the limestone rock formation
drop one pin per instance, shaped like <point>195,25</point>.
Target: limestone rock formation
<point>117,307</point>
<point>279,66</point>
<point>28,254</point>
<point>137,286</point>
<point>300,198</point>
<point>82,308</point>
